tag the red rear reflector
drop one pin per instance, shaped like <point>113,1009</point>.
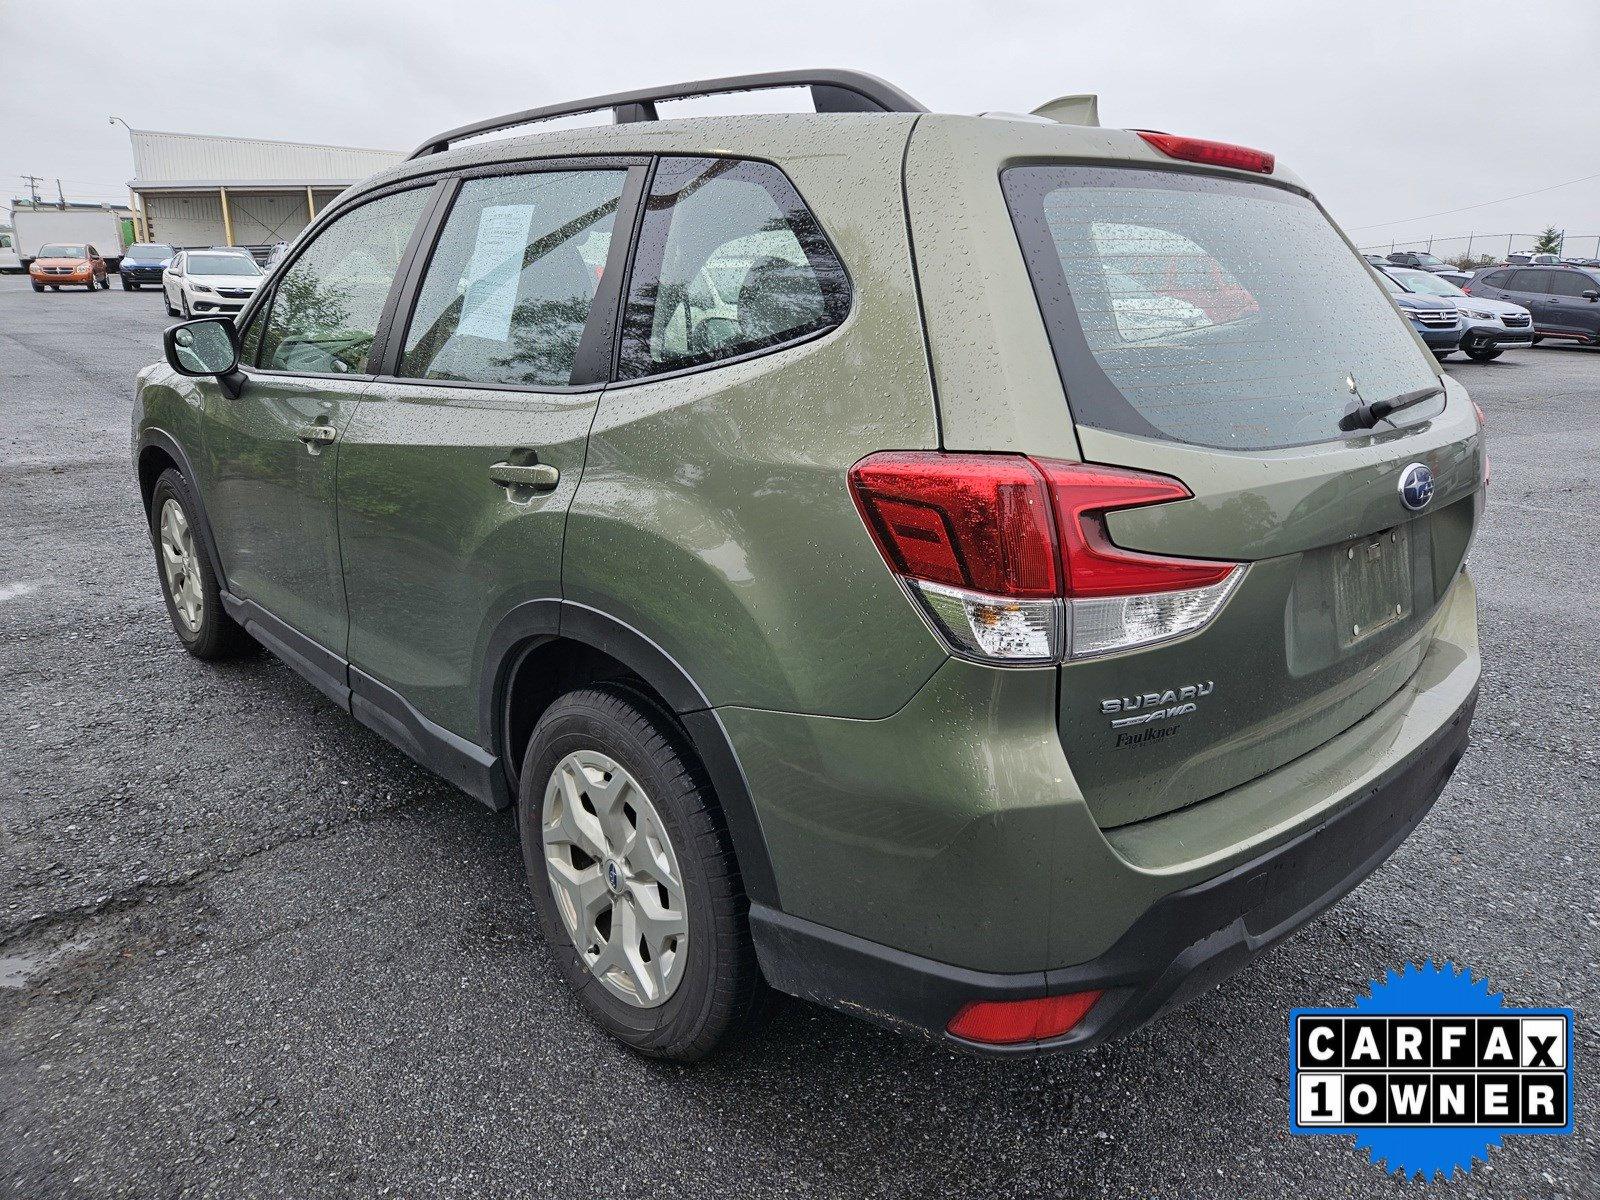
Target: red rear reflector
<point>1007,1022</point>
<point>1082,494</point>
<point>1218,154</point>
<point>975,521</point>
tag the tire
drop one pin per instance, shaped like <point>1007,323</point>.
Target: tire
<point>202,624</point>
<point>167,304</point>
<point>716,989</point>
<point>38,287</point>
<point>1485,353</point>
<point>55,287</point>
<point>105,283</point>
<point>1536,341</point>
<point>126,286</point>
<point>1441,355</point>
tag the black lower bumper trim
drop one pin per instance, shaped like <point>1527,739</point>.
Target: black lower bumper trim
<point>1183,944</point>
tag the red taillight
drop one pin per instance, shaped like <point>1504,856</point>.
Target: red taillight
<point>1082,494</point>
<point>1007,1022</point>
<point>1010,556</point>
<point>976,521</point>
<point>1218,154</point>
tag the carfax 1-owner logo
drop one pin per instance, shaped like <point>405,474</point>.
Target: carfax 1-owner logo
<point>1430,1070</point>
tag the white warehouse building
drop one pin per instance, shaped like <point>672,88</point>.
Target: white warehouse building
<point>199,190</point>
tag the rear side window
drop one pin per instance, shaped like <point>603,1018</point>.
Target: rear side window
<point>511,283</point>
<point>1216,311</point>
<point>730,261</point>
<point>325,307</point>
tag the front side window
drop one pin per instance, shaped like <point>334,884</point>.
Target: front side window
<point>1202,309</point>
<point>1570,283</point>
<point>325,307</point>
<point>511,283</point>
<point>730,261</point>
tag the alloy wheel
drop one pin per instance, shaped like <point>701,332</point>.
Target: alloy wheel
<point>180,566</point>
<point>615,878</point>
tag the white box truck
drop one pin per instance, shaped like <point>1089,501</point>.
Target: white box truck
<point>100,227</point>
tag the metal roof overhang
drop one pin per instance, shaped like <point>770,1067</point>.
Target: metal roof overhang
<point>238,185</point>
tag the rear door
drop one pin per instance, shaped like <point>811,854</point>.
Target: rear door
<point>459,466</point>
<point>1529,287</point>
<point>1241,402</point>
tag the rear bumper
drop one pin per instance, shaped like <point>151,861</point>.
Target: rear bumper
<point>1186,942</point>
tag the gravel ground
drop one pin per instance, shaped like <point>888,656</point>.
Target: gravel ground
<point>246,948</point>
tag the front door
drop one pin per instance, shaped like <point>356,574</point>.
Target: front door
<point>458,468</point>
<point>273,453</point>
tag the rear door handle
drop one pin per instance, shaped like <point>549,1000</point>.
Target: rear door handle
<point>318,435</point>
<point>541,477</point>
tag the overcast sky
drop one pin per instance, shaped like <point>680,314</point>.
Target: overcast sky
<point>1390,110</point>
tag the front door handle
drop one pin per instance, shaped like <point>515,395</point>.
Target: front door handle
<point>317,435</point>
<point>541,477</point>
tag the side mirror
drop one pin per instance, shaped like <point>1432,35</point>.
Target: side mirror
<point>1591,295</point>
<point>209,346</point>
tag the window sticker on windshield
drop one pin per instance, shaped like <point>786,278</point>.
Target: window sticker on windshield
<point>493,272</point>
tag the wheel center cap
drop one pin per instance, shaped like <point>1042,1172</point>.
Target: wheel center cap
<point>613,875</point>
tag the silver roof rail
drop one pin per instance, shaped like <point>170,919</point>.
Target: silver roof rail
<point>832,91</point>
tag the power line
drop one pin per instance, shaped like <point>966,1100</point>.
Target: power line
<point>1468,208</point>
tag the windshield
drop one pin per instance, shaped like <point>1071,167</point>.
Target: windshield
<point>222,264</point>
<point>62,250</point>
<point>147,250</point>
<point>1246,313</point>
<point>1428,283</point>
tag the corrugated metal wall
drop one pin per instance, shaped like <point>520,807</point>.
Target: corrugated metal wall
<point>178,157</point>
<point>188,219</point>
<point>259,218</point>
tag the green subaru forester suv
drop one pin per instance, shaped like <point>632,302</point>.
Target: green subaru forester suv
<point>991,575</point>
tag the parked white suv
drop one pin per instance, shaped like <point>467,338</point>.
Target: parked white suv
<point>209,281</point>
<point>1488,327</point>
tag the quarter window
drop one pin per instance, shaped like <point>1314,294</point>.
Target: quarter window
<point>730,261</point>
<point>325,307</point>
<point>510,286</point>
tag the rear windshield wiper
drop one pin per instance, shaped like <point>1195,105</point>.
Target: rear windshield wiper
<point>1361,415</point>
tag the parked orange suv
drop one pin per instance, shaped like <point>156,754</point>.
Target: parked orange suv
<point>59,263</point>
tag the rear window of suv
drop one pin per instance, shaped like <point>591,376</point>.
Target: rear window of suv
<point>1215,311</point>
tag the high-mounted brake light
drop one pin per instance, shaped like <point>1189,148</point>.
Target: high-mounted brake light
<point>1009,1022</point>
<point>1217,154</point>
<point>1011,559</point>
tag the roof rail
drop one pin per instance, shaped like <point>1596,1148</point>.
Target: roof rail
<point>832,91</point>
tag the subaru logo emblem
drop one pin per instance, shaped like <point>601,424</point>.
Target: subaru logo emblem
<point>1416,487</point>
<point>613,876</point>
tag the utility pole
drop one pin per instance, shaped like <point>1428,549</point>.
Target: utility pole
<point>61,197</point>
<point>33,188</point>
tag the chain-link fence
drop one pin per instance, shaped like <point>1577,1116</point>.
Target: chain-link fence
<point>1481,249</point>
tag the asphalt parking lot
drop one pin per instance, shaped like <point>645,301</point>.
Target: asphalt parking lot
<point>247,948</point>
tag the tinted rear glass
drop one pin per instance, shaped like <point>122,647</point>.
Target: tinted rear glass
<point>147,250</point>
<point>1216,311</point>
